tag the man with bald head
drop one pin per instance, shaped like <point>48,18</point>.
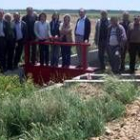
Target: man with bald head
<point>30,18</point>
<point>82,33</point>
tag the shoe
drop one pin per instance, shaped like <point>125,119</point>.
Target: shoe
<point>131,71</point>
<point>79,66</point>
<point>65,66</point>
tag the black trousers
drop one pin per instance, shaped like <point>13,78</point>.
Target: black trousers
<point>10,44</point>
<point>123,55</point>
<point>66,53</point>
<point>18,52</point>
<point>44,53</point>
<point>102,48</point>
<point>134,50</point>
<point>2,54</point>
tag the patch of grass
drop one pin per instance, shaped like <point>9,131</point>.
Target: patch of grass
<point>60,114</point>
<point>125,92</point>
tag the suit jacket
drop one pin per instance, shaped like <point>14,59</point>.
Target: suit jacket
<point>55,30</point>
<point>24,31</point>
<point>5,28</point>
<point>98,28</point>
<point>30,21</point>
<point>87,28</point>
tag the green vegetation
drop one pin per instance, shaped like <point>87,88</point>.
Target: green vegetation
<point>59,114</point>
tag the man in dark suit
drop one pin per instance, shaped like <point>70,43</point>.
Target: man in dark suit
<point>20,30</point>
<point>3,30</point>
<point>10,42</point>
<point>125,23</point>
<point>30,18</point>
<point>82,33</point>
<point>55,49</point>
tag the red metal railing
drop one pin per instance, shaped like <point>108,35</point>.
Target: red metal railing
<point>83,46</point>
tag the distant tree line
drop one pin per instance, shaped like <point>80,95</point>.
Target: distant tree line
<point>71,11</point>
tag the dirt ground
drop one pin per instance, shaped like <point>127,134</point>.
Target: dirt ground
<point>127,128</point>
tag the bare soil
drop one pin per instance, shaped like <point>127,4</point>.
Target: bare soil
<point>127,128</point>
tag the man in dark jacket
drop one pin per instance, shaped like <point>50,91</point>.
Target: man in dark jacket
<point>20,30</point>
<point>82,33</point>
<point>30,19</point>
<point>55,49</point>
<point>134,42</point>
<point>125,23</point>
<point>3,32</point>
<point>10,42</point>
<point>101,37</point>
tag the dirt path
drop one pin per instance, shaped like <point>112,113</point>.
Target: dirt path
<point>128,128</point>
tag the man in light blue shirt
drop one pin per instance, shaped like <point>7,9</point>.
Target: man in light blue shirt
<point>20,37</point>
<point>19,34</point>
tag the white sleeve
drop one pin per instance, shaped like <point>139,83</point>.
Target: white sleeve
<point>124,34</point>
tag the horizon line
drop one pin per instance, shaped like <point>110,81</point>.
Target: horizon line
<point>89,9</point>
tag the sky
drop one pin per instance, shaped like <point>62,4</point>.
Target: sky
<point>72,4</point>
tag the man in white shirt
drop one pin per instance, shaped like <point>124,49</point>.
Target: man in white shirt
<point>82,33</point>
<point>116,39</point>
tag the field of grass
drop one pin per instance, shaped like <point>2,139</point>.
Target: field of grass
<point>60,114</point>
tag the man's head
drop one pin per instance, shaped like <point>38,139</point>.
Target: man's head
<point>16,16</point>
<point>29,11</point>
<point>42,17</point>
<point>125,16</point>
<point>104,14</point>
<point>114,21</point>
<point>82,13</point>
<point>1,14</point>
<point>136,19</point>
<point>67,19</point>
<point>55,16</point>
<point>8,17</point>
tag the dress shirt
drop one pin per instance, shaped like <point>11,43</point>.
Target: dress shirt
<point>19,34</point>
<point>1,29</point>
<point>42,30</point>
<point>113,37</point>
<point>81,26</point>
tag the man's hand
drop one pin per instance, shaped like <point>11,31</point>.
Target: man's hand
<point>86,41</point>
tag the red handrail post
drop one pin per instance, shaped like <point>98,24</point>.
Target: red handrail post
<point>84,56</point>
<point>27,52</point>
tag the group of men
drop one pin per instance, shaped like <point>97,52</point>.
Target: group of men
<point>14,32</point>
<point>110,36</point>
<point>116,38</point>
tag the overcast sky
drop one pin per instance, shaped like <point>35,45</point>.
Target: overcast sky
<point>72,4</point>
